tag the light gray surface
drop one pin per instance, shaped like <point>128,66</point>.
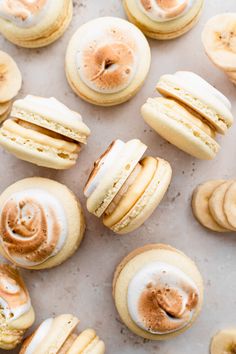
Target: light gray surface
<point>82,285</point>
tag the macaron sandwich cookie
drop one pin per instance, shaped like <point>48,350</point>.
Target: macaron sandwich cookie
<point>34,23</point>
<point>158,292</point>
<point>58,335</point>
<point>41,223</point>
<point>164,19</point>
<point>45,132</point>
<point>219,40</point>
<point>10,83</point>
<point>125,188</point>
<point>190,114</point>
<point>107,61</point>
<point>214,205</point>
<point>16,312</point>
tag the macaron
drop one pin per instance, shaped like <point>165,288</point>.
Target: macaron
<point>190,114</point>
<point>158,292</point>
<point>17,314</point>
<point>107,61</point>
<point>164,19</point>
<point>34,24</point>
<point>58,334</point>
<point>41,223</point>
<point>214,206</point>
<point>45,132</point>
<point>125,188</point>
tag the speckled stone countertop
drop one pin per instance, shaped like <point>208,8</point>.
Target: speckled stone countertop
<point>82,285</point>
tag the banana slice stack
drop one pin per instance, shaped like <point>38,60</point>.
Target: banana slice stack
<point>10,83</point>
<point>214,205</point>
<point>224,342</point>
<point>219,40</point>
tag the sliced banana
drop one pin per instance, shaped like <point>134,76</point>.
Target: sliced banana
<point>219,40</point>
<point>216,205</point>
<point>230,204</point>
<point>200,205</point>
<point>4,107</point>
<point>224,342</point>
<point>10,78</point>
<point>6,113</point>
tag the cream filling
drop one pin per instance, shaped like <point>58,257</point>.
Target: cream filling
<point>165,10</point>
<point>103,166</point>
<point>18,12</point>
<point>161,275</point>
<point>48,202</point>
<point>41,333</point>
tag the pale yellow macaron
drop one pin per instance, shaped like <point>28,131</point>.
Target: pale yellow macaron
<point>34,24</point>
<point>190,115</point>
<point>164,19</point>
<point>16,313</point>
<point>107,61</point>
<point>41,223</point>
<point>125,189</point>
<point>45,132</point>
<point>58,335</point>
<point>158,292</point>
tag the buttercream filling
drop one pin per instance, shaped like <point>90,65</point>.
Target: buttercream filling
<point>165,10</point>
<point>161,298</point>
<point>33,227</point>
<point>107,59</point>
<point>40,334</point>
<point>14,298</point>
<point>102,166</point>
<point>23,13</point>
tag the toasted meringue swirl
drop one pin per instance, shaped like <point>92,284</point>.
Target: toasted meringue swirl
<point>33,227</point>
<point>14,297</point>
<point>107,59</point>
<point>165,10</point>
<point>162,299</point>
<point>24,13</point>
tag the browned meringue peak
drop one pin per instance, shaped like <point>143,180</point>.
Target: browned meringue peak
<point>13,292</point>
<point>165,8</point>
<point>31,228</point>
<point>22,9</point>
<point>160,307</point>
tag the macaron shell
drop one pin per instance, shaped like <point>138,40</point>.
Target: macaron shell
<point>73,210</point>
<point>208,106</point>
<point>148,202</point>
<point>179,131</point>
<point>216,205</point>
<point>133,263</point>
<point>162,30</point>
<point>230,204</point>
<point>87,343</point>
<point>99,200</point>
<point>200,205</point>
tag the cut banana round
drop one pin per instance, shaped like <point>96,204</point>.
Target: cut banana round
<point>224,342</point>
<point>216,205</point>
<point>10,78</point>
<point>219,40</point>
<point>4,107</point>
<point>6,114</point>
<point>230,204</point>
<point>200,205</point>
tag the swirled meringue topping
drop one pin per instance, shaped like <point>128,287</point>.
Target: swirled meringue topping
<point>162,299</point>
<point>14,297</point>
<point>40,334</point>
<point>165,10</point>
<point>107,57</point>
<point>33,227</point>
<point>23,13</point>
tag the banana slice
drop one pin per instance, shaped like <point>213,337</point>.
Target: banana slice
<point>200,205</point>
<point>10,78</point>
<point>4,107</point>
<point>219,40</point>
<point>216,203</point>
<point>5,115</point>
<point>230,204</point>
<point>224,342</point>
<point>232,76</point>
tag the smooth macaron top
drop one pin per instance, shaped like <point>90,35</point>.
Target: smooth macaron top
<point>197,93</point>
